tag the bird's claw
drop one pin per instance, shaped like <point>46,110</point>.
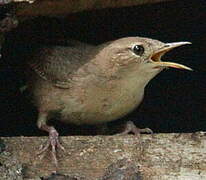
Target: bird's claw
<point>145,130</point>
<point>54,143</point>
<point>130,127</point>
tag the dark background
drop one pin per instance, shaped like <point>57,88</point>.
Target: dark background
<point>174,100</point>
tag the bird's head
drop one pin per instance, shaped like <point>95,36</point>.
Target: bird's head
<point>142,55</point>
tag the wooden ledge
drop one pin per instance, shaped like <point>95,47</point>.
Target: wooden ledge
<point>65,7</point>
<point>162,156</point>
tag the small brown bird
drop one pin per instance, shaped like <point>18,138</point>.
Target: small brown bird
<point>87,84</point>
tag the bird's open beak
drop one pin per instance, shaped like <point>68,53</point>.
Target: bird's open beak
<point>156,57</point>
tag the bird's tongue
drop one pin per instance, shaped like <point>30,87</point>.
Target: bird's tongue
<point>173,65</point>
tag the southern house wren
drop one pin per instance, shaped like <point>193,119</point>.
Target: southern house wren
<point>94,84</point>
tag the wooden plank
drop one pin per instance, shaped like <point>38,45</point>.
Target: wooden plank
<point>65,7</point>
<point>162,156</point>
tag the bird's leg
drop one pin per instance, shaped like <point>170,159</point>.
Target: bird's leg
<point>53,140</point>
<point>130,127</point>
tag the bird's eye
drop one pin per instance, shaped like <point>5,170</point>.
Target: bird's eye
<point>138,50</point>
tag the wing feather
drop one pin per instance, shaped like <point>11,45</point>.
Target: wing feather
<point>57,63</point>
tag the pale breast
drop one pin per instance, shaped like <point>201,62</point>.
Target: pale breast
<point>96,104</point>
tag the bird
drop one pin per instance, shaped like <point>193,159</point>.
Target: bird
<point>94,84</point>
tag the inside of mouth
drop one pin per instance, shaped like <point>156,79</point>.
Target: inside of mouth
<point>157,56</point>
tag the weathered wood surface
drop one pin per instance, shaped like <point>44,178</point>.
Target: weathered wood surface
<point>161,157</point>
<point>65,7</point>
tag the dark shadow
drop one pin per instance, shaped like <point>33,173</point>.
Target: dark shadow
<point>174,100</point>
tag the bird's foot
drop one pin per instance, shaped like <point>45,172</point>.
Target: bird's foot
<point>54,143</point>
<point>130,127</point>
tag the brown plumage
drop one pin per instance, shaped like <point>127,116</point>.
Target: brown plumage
<point>94,84</point>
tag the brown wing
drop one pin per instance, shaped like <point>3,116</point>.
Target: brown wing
<point>55,64</point>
